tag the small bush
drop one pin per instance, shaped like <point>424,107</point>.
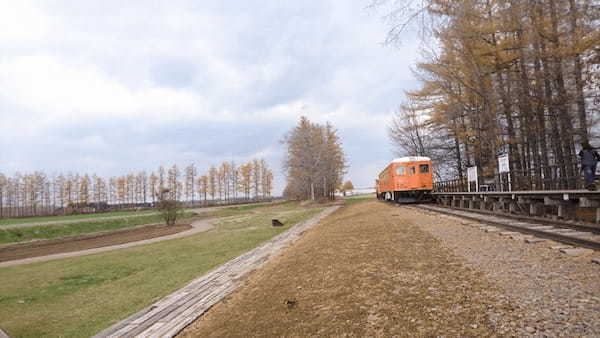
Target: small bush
<point>169,209</point>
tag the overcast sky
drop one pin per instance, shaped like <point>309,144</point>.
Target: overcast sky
<point>112,87</point>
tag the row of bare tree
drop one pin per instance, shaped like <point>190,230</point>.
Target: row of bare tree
<point>314,162</point>
<point>520,77</point>
<point>40,194</point>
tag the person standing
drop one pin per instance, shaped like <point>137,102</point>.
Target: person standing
<point>589,161</point>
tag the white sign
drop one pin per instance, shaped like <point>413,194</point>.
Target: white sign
<point>472,177</point>
<point>503,164</point>
<point>472,174</point>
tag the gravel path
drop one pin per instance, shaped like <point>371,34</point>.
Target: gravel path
<point>553,294</point>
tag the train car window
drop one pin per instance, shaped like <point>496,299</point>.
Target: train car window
<point>424,168</point>
<point>400,170</point>
<point>412,170</point>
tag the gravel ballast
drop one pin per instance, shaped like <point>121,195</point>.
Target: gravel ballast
<point>552,292</point>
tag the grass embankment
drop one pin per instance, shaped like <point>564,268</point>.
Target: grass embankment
<point>28,220</point>
<point>16,235</point>
<point>80,296</point>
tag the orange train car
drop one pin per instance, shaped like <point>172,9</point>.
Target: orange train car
<point>406,180</point>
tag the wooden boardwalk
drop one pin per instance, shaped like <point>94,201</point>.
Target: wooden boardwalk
<point>167,317</point>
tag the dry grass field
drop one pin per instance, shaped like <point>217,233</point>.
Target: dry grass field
<point>364,271</point>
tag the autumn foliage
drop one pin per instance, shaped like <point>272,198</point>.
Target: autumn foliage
<point>314,161</point>
<point>41,194</point>
<point>500,76</point>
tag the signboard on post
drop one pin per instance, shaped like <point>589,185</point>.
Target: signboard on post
<point>503,164</point>
<point>504,167</point>
<point>472,177</point>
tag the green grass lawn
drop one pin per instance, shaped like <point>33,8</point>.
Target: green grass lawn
<point>78,297</point>
<point>256,205</point>
<point>11,221</point>
<point>249,209</point>
<point>357,199</point>
<point>27,220</point>
<point>71,229</point>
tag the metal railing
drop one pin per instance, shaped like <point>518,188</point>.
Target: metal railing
<point>555,177</point>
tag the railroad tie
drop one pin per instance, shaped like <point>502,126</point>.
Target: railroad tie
<point>576,251</point>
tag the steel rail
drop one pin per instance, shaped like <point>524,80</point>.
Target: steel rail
<point>522,227</point>
<point>540,220</point>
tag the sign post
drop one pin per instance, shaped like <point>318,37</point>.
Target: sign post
<point>504,167</point>
<point>472,177</point>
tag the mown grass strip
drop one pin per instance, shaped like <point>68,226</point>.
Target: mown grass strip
<point>243,209</point>
<point>358,199</point>
<point>256,206</point>
<point>27,220</point>
<point>79,297</point>
<point>43,219</point>
<point>16,235</point>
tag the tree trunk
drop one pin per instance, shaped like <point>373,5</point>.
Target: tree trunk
<point>567,135</point>
<point>540,118</point>
<point>579,98</point>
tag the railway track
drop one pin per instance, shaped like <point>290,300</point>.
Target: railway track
<point>530,230</point>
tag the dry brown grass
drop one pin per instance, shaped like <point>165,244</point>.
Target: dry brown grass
<point>365,271</point>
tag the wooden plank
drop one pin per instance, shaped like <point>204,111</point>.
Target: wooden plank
<point>193,313</point>
<point>125,325</point>
<point>152,331</point>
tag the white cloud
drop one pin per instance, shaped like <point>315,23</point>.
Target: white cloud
<point>162,81</point>
<point>43,84</point>
<point>21,20</point>
<point>53,91</point>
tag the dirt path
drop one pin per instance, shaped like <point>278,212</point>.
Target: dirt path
<point>364,271</point>
<point>41,251</point>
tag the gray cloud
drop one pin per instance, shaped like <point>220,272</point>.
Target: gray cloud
<point>173,73</point>
<point>113,86</point>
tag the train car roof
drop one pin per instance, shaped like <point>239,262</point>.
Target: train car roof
<point>406,159</point>
<point>411,159</point>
